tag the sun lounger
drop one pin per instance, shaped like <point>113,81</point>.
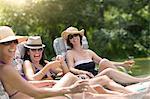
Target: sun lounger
<point>18,60</point>
<point>3,94</point>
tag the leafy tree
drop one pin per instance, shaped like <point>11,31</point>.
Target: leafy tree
<point>115,28</point>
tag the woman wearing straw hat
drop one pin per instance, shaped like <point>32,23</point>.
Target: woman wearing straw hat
<point>35,67</point>
<point>82,61</point>
<point>15,85</point>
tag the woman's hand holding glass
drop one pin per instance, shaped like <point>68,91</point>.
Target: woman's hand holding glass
<point>64,66</point>
<point>54,66</point>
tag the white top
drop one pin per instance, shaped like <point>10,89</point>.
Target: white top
<point>82,61</point>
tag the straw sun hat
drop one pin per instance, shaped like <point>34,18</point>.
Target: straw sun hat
<point>7,34</point>
<point>34,42</point>
<point>71,30</point>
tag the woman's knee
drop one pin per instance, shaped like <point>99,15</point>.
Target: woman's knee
<point>104,80</point>
<point>104,63</point>
<point>67,80</point>
<point>71,76</point>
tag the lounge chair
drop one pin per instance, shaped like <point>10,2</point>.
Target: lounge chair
<point>18,59</point>
<point>140,87</point>
<point>3,93</point>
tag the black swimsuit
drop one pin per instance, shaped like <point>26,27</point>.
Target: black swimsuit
<point>90,67</point>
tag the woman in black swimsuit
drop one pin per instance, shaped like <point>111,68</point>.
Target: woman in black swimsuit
<point>82,61</point>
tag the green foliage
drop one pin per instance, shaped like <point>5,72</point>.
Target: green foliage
<point>115,28</point>
<point>118,42</point>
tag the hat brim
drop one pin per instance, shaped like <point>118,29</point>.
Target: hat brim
<point>34,47</point>
<point>11,38</point>
<point>66,33</point>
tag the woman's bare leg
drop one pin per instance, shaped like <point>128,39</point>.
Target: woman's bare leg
<point>67,80</point>
<point>58,97</point>
<point>121,77</point>
<point>104,64</point>
<point>106,81</point>
<point>102,90</point>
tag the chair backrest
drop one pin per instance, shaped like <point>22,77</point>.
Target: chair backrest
<point>18,59</point>
<point>20,50</point>
<point>60,46</point>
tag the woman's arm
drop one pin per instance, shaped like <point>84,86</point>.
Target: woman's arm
<point>43,83</point>
<point>9,76</point>
<point>29,73</point>
<point>97,59</point>
<point>94,56</point>
<point>63,63</point>
<point>126,64</point>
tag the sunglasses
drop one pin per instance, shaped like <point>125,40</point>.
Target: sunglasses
<point>10,42</point>
<point>39,50</point>
<point>74,35</point>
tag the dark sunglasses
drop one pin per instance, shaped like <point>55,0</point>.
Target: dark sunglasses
<point>39,50</point>
<point>10,42</point>
<point>74,35</point>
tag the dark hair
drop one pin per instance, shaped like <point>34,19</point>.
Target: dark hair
<point>27,57</point>
<point>70,44</point>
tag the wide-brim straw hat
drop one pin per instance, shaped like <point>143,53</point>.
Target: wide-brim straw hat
<point>7,34</point>
<point>72,30</point>
<point>34,42</point>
